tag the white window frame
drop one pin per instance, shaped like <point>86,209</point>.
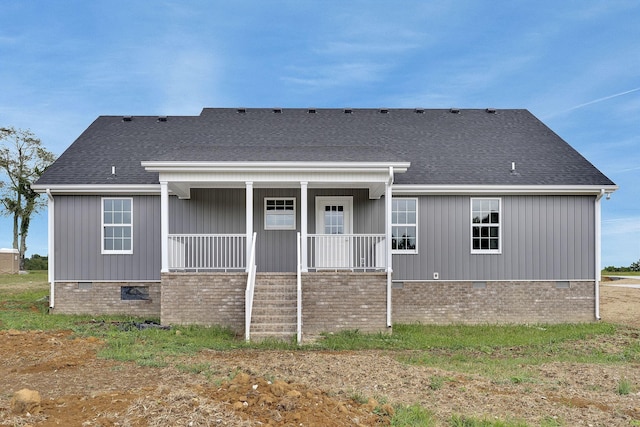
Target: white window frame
<point>471,223</point>
<point>405,251</point>
<point>103,226</point>
<point>283,212</point>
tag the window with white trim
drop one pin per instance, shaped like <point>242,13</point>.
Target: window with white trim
<point>404,225</point>
<point>486,225</point>
<point>280,213</point>
<point>117,226</point>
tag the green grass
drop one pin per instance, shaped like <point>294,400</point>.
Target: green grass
<point>412,416</point>
<point>501,353</point>
<point>620,273</point>
<point>624,387</point>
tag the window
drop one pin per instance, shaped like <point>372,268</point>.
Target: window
<point>485,226</point>
<point>280,214</point>
<point>117,226</point>
<point>404,228</point>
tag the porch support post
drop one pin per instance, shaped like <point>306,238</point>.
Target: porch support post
<point>303,225</point>
<point>249,220</point>
<point>388,197</point>
<point>164,226</point>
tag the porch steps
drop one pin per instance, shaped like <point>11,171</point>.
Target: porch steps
<point>274,313</point>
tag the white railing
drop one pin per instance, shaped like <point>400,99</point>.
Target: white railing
<point>251,285</point>
<point>347,251</point>
<point>198,252</point>
<point>299,289</point>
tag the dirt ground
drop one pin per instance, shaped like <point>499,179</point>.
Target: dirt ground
<point>308,388</point>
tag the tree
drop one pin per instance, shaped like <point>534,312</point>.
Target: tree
<point>23,159</point>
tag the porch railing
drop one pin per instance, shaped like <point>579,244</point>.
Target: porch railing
<point>347,251</point>
<point>251,285</point>
<point>202,252</point>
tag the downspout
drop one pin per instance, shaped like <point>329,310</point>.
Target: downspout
<point>51,248</point>
<point>388,210</point>
<point>598,277</point>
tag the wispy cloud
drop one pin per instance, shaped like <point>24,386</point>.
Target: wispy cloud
<point>595,101</point>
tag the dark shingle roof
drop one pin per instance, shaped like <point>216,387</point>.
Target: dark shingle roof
<point>471,147</point>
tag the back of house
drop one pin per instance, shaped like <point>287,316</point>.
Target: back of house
<point>272,221</point>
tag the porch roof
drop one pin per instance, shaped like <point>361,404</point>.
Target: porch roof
<point>182,176</point>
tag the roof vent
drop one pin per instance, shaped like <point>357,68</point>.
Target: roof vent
<point>277,110</point>
<point>162,118</point>
<point>241,110</point>
<point>311,111</point>
<point>419,111</point>
<point>126,118</point>
<point>454,110</point>
<point>491,110</point>
<point>384,111</point>
<point>348,111</point>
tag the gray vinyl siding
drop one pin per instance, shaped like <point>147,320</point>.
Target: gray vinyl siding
<point>209,211</point>
<point>77,238</point>
<point>276,249</point>
<point>543,238</point>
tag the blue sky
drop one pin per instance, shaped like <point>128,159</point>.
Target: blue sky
<point>574,64</point>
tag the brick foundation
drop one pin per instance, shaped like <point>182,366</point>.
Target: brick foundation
<point>332,302</point>
<point>204,299</point>
<point>498,302</point>
<point>98,298</point>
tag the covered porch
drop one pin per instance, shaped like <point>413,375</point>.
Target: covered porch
<point>304,220</point>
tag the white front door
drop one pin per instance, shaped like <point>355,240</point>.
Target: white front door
<point>334,223</point>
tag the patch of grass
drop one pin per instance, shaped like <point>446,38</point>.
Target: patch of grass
<point>461,421</point>
<point>624,387</point>
<point>549,421</point>
<point>436,382</point>
<point>412,416</point>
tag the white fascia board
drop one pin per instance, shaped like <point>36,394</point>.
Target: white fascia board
<point>411,189</point>
<point>99,189</point>
<point>159,166</point>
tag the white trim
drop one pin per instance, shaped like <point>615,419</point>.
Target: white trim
<point>104,251</point>
<point>280,213</point>
<point>164,227</point>
<point>324,200</point>
<point>419,189</point>
<point>167,166</point>
<point>471,225</point>
<point>416,225</point>
<point>99,189</point>
<point>249,221</point>
<point>598,254</point>
<point>51,210</point>
<point>304,214</point>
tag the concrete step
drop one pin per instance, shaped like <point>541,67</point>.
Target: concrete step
<point>273,310</point>
<point>273,327</point>
<point>280,336</point>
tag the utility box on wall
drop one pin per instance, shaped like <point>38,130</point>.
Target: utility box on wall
<point>9,261</point>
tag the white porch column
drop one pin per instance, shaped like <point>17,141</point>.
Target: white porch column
<point>249,219</point>
<point>164,226</point>
<point>303,225</point>
<point>388,204</point>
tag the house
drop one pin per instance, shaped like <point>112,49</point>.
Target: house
<point>281,222</point>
